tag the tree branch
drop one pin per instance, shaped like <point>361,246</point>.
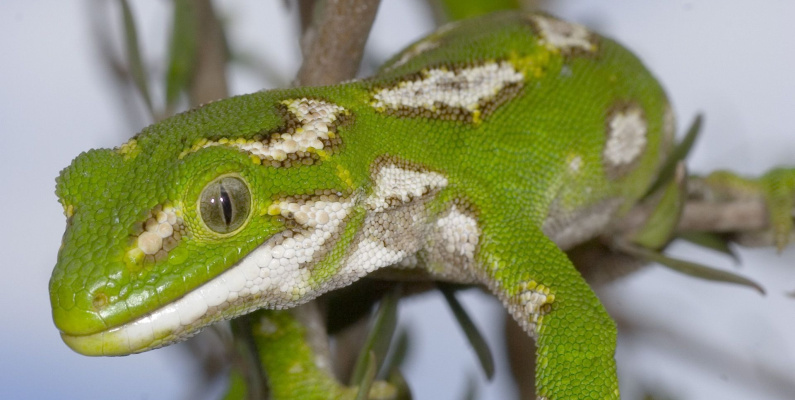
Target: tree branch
<point>209,80</point>
<point>333,45</point>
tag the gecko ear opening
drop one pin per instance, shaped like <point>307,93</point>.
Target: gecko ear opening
<point>225,204</point>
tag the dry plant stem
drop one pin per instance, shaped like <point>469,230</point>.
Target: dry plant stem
<point>333,45</point>
<point>209,80</point>
<point>738,216</point>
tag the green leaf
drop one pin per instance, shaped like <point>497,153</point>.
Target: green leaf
<point>711,241</point>
<point>398,354</point>
<point>470,330</point>
<point>380,335</point>
<point>367,377</point>
<point>689,268</point>
<point>182,51</point>
<point>679,153</point>
<point>136,66</point>
<point>660,226</point>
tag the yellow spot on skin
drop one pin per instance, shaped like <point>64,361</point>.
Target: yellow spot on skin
<point>129,150</point>
<point>274,209</point>
<point>134,259</point>
<point>533,65</point>
<point>69,210</point>
<point>574,162</point>
<point>256,160</point>
<point>344,175</point>
<point>297,368</point>
<point>476,117</point>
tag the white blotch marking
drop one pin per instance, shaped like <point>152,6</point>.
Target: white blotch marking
<point>150,242</point>
<point>395,183</point>
<point>530,307</point>
<point>410,261</point>
<point>465,88</point>
<point>563,35</point>
<point>575,163</point>
<point>386,238</point>
<point>532,301</point>
<point>451,244</point>
<point>315,117</point>
<point>626,137</point>
<point>158,227</point>
<point>458,234</point>
<point>370,255</point>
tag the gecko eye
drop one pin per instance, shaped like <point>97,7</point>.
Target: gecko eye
<point>224,204</point>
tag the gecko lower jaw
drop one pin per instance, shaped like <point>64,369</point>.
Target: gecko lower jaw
<point>223,297</point>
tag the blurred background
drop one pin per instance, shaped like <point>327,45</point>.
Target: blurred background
<point>681,338</point>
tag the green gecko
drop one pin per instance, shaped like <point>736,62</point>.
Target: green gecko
<point>476,154</point>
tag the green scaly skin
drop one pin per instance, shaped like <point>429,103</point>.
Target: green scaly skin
<point>486,190</point>
<point>289,361</point>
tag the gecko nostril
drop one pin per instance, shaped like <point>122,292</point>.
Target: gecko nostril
<point>99,301</point>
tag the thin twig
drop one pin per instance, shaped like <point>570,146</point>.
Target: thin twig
<point>333,45</point>
<point>209,80</point>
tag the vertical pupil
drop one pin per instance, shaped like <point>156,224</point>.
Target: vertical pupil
<point>226,205</point>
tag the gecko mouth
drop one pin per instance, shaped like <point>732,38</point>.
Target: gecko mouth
<point>171,323</point>
<point>244,287</point>
<point>274,275</point>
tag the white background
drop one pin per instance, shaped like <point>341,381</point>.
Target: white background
<point>733,60</point>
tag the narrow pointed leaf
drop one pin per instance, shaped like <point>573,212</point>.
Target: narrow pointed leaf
<point>380,335</point>
<point>135,64</point>
<point>690,268</point>
<point>711,241</point>
<point>679,153</point>
<point>470,330</point>
<point>660,226</point>
<point>367,377</point>
<point>398,353</point>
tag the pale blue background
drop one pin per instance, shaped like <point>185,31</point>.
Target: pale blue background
<point>695,340</point>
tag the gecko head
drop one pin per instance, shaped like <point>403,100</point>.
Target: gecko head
<point>159,229</point>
